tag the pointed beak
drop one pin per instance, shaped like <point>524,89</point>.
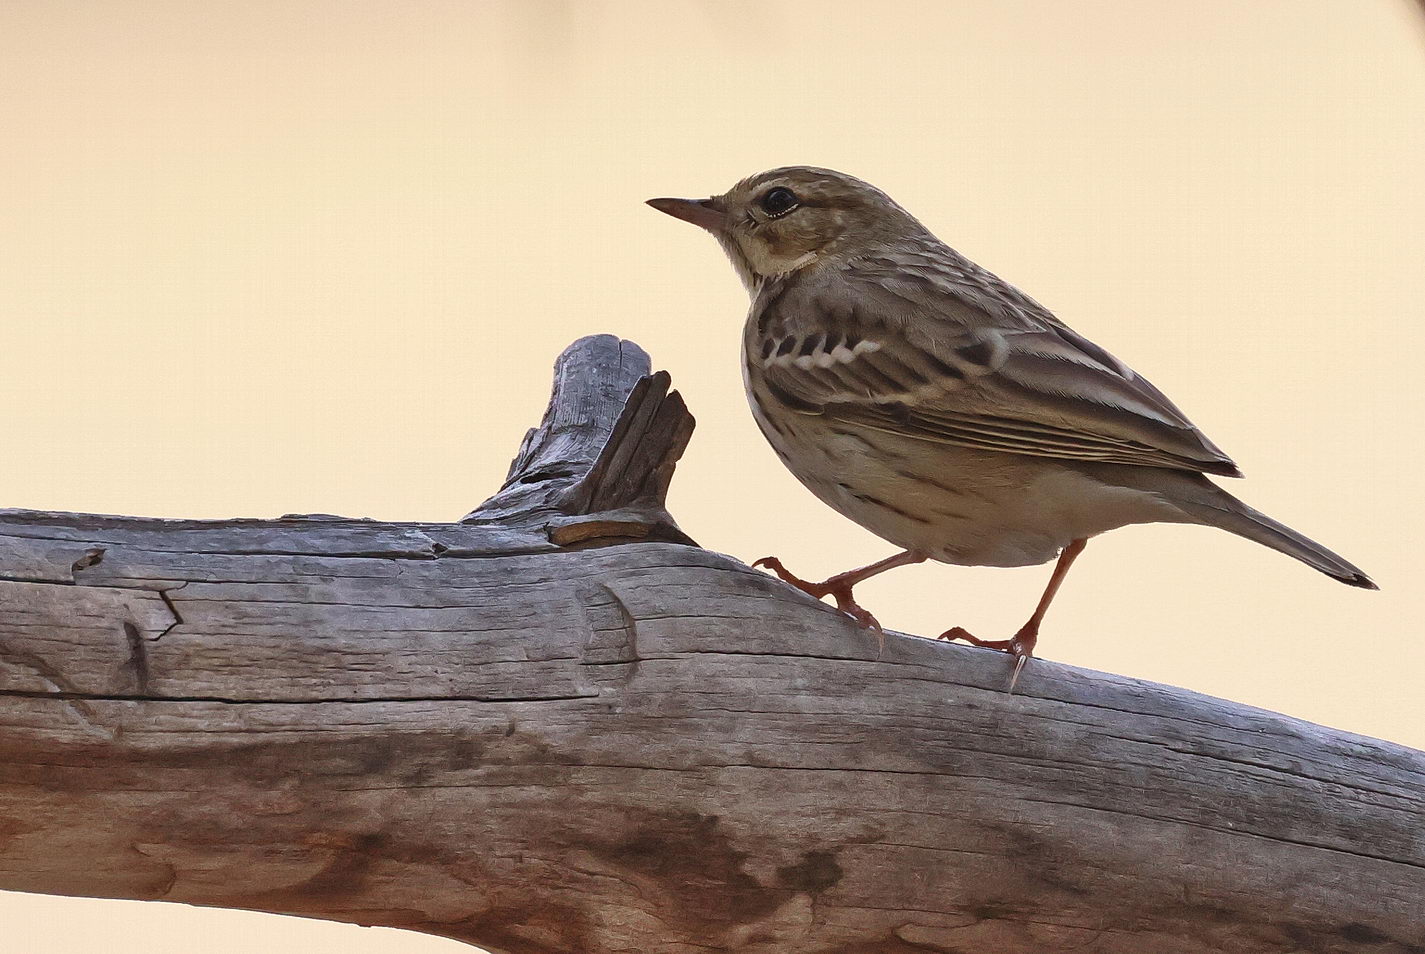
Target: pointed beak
<point>701,212</point>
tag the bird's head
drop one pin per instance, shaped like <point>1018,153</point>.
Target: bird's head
<point>777,222</point>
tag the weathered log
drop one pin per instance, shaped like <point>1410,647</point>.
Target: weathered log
<point>472,730</point>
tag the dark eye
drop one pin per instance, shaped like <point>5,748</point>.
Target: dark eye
<point>779,201</point>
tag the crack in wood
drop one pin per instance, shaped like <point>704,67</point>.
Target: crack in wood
<point>642,746</point>
<point>67,696</point>
<point>138,657</point>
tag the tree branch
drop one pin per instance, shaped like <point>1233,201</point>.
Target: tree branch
<point>470,730</point>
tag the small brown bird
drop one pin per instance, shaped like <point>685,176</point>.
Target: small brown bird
<point>943,409</point>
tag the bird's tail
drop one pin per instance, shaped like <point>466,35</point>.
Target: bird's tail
<point>1212,505</point>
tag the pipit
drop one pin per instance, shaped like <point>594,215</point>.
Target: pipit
<point>943,409</point>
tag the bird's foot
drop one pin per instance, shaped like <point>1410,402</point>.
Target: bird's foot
<point>851,608</point>
<point>837,587</point>
<point>1020,645</point>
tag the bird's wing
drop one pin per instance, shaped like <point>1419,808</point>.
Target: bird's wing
<point>969,361</point>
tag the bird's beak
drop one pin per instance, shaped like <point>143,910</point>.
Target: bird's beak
<point>703,213</point>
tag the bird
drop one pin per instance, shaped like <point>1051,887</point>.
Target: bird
<point>943,409</point>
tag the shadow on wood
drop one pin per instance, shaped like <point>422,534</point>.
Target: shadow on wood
<point>512,731</point>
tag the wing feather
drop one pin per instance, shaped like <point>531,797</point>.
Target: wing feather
<point>962,358</point>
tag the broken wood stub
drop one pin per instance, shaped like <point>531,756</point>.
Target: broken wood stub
<point>597,468</point>
<point>468,730</point>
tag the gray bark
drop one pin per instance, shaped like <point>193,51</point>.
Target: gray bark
<point>559,728</point>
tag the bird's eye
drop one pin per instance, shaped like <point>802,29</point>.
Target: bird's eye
<point>779,201</point>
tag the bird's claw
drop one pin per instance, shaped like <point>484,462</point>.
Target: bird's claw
<point>1020,645</point>
<point>851,608</point>
<point>840,591</point>
<point>817,590</point>
<point>960,632</point>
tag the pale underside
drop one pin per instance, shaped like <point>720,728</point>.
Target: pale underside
<point>945,411</point>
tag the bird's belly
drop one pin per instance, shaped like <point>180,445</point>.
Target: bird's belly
<point>962,506</point>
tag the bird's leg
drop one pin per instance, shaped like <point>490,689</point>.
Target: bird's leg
<point>839,586</point>
<point>1022,643</point>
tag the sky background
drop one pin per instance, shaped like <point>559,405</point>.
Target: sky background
<point>294,256</point>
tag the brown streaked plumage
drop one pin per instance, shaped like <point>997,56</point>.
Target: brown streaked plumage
<point>942,408</point>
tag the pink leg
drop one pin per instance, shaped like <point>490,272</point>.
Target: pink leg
<point>839,586</point>
<point>1022,643</point>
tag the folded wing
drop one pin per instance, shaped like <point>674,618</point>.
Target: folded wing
<point>971,363</point>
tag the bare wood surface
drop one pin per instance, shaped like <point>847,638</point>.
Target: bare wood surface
<point>472,730</point>
<point>597,468</point>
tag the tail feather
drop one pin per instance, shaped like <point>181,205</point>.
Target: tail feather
<point>1220,509</point>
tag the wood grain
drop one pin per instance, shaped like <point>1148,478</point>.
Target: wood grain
<point>468,730</point>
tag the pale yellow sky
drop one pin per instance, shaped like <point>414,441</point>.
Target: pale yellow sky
<point>318,256</point>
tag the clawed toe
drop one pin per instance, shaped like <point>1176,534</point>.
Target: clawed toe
<point>838,587</point>
<point>960,632</point>
<point>1020,645</point>
<point>851,608</point>
<point>817,590</point>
